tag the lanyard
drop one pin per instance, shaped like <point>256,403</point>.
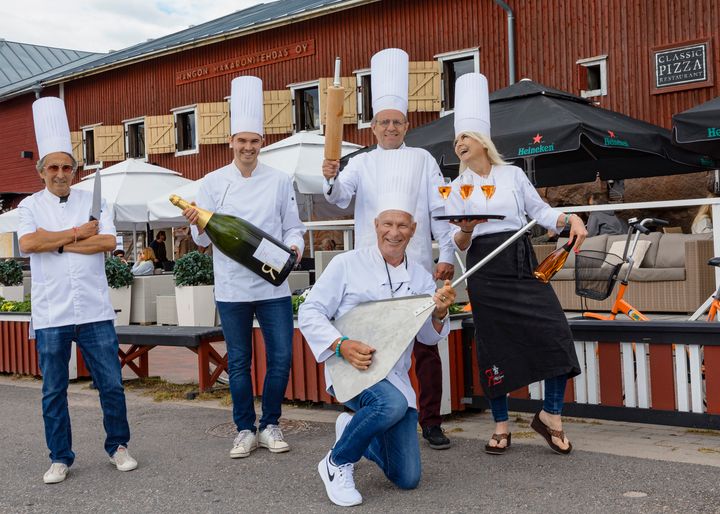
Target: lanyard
<point>387,270</point>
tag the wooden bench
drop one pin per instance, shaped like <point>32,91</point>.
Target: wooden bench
<point>142,339</point>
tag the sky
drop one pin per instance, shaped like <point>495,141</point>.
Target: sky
<point>104,25</point>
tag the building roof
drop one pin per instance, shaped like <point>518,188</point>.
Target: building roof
<point>253,19</point>
<point>20,61</point>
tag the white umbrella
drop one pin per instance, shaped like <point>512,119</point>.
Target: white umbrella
<point>9,221</point>
<point>127,187</point>
<point>301,156</point>
<point>161,210</point>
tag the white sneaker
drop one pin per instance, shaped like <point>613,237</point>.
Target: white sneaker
<point>339,483</point>
<point>56,474</point>
<point>272,438</point>
<point>244,443</point>
<point>341,423</point>
<point>123,460</point>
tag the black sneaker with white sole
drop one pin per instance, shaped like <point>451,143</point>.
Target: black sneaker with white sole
<point>435,437</point>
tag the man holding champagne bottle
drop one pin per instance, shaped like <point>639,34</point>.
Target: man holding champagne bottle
<point>263,197</point>
<point>389,76</point>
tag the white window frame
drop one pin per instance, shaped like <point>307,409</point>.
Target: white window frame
<point>98,165</point>
<point>183,110</point>
<point>293,89</point>
<point>126,124</point>
<point>600,60</point>
<point>359,74</point>
<point>454,56</point>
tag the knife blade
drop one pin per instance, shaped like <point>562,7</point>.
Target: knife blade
<point>97,198</point>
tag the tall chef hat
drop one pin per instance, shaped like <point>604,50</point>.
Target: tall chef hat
<point>246,105</point>
<point>389,80</point>
<point>472,104</point>
<point>52,131</point>
<point>400,173</point>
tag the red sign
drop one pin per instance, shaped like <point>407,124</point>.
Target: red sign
<point>246,62</point>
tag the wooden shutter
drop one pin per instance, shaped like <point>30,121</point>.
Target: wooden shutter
<point>214,123</point>
<point>424,86</point>
<point>160,134</point>
<point>109,142</point>
<point>77,146</point>
<point>350,103</point>
<point>278,111</point>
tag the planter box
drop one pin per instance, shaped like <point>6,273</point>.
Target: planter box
<point>12,293</point>
<point>195,306</point>
<point>120,300</point>
<point>166,310</point>
<point>145,290</point>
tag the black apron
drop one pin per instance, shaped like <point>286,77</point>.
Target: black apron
<point>521,332</point>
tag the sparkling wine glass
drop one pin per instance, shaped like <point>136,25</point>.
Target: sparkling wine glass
<point>488,189</point>
<point>466,189</point>
<point>446,188</point>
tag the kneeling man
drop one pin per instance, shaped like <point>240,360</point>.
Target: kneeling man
<point>384,426</point>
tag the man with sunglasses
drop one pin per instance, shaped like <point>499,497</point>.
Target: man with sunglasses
<point>361,178</point>
<point>70,294</point>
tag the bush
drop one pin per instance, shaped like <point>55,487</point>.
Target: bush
<point>8,306</point>
<point>10,273</point>
<point>194,269</point>
<point>118,273</point>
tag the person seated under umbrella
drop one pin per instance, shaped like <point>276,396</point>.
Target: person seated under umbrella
<point>384,426</point>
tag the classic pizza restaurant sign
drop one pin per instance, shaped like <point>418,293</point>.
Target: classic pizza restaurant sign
<point>246,62</point>
<point>681,65</point>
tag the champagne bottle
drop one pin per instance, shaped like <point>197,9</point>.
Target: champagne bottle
<point>246,244</point>
<point>553,262</point>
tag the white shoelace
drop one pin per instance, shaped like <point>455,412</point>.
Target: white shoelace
<point>241,437</point>
<point>345,473</point>
<point>275,432</point>
<point>56,468</point>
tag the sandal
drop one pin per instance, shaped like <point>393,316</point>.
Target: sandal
<point>498,450</point>
<point>548,433</point>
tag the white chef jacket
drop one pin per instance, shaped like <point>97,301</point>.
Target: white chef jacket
<point>67,288</point>
<point>362,178</point>
<point>267,200</point>
<point>360,276</point>
<point>514,197</point>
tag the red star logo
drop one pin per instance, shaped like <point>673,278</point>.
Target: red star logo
<point>612,134</point>
<point>537,139</point>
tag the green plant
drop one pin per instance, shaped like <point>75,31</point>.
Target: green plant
<point>9,306</point>
<point>194,269</point>
<point>118,273</point>
<point>11,273</point>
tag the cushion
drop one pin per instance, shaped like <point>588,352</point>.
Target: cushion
<point>640,250</point>
<point>596,243</point>
<point>650,255</point>
<point>657,274</point>
<point>671,253</point>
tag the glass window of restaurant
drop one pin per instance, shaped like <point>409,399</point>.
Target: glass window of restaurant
<point>88,136</point>
<point>186,136</point>
<point>364,98</point>
<point>592,76</point>
<point>135,139</point>
<point>454,65</point>
<point>306,106</point>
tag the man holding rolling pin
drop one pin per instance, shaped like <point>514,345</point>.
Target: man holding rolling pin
<point>389,82</point>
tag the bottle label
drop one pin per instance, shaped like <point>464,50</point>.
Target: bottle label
<point>271,255</point>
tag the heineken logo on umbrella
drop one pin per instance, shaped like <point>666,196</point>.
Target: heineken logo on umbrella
<point>536,146</point>
<point>612,140</point>
<point>713,132</point>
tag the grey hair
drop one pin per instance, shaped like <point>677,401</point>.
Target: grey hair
<point>41,163</point>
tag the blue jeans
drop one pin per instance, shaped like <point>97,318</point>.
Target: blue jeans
<point>99,347</point>
<point>384,430</point>
<point>276,322</point>
<point>552,403</point>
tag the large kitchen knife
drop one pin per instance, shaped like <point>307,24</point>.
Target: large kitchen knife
<point>97,198</point>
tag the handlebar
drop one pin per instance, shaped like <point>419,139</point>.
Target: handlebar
<point>642,226</point>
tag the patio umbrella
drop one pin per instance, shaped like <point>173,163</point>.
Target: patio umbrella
<point>9,221</point>
<point>560,138</point>
<point>301,156</point>
<point>161,210</point>
<point>698,129</point>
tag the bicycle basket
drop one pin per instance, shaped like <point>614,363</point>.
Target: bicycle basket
<point>596,273</point>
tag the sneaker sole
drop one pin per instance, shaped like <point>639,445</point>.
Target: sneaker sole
<point>275,450</point>
<point>439,446</point>
<point>54,480</point>
<point>240,455</point>
<point>325,479</point>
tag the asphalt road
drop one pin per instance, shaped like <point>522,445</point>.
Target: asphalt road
<point>184,467</point>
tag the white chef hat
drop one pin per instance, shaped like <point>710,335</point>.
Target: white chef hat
<point>52,131</point>
<point>472,104</point>
<point>389,80</point>
<point>400,175</point>
<point>246,105</point>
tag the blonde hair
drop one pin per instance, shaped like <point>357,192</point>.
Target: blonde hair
<point>704,210</point>
<point>147,254</point>
<point>493,155</point>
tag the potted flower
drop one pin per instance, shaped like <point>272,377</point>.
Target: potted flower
<point>194,296</point>
<point>11,280</point>
<point>120,280</point>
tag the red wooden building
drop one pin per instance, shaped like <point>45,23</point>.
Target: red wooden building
<point>165,100</point>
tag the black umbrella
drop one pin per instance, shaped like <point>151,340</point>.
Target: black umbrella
<point>698,129</point>
<point>560,138</point>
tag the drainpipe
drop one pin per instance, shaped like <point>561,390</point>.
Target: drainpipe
<point>511,39</point>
